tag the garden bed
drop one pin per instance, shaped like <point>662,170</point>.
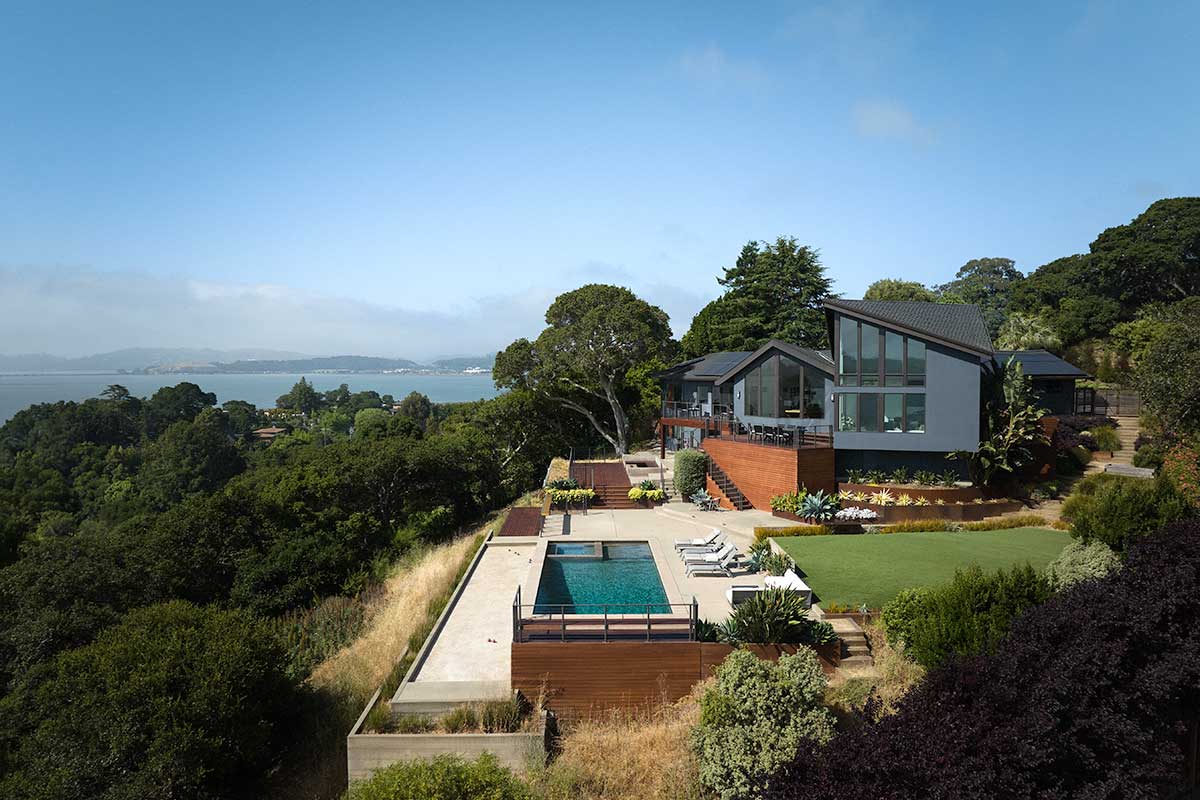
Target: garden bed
<point>834,526</point>
<point>932,493</point>
<point>966,512</point>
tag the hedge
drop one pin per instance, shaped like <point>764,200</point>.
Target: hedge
<point>691,466</point>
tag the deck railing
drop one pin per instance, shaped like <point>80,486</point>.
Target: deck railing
<point>788,437</point>
<point>608,622</point>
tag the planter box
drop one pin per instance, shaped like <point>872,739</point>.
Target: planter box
<point>964,493</point>
<point>968,512</point>
<point>367,752</point>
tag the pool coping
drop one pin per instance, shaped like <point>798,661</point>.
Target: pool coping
<point>670,587</point>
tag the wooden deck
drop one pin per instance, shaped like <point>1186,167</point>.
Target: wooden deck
<point>523,521</point>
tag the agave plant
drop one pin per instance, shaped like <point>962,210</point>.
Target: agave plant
<point>921,501</point>
<point>772,616</point>
<point>845,494</point>
<point>883,498</point>
<point>818,505</point>
<point>756,554</point>
<point>904,500</point>
<point>728,631</point>
<point>941,501</point>
<point>861,497</point>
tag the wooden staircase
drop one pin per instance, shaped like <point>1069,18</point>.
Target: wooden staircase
<point>727,486</point>
<point>613,497</point>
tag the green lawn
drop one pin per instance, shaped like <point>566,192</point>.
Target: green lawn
<point>857,568</point>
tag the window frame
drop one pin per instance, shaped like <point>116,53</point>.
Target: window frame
<point>880,403</point>
<point>880,378</point>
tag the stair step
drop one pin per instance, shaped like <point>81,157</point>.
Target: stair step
<point>858,661</point>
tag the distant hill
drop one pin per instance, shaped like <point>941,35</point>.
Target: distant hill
<point>459,363</point>
<point>136,358</point>
<point>308,364</point>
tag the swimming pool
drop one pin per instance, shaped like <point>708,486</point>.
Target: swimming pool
<point>590,577</point>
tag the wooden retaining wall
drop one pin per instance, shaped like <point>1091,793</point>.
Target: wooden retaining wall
<point>760,471</point>
<point>580,678</point>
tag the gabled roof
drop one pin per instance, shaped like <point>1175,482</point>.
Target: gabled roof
<point>954,324</point>
<point>707,367</point>
<point>821,359</point>
<point>1041,364</point>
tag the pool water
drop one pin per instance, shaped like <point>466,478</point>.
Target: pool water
<point>625,575</point>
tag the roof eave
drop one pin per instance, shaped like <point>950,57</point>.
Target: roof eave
<point>933,337</point>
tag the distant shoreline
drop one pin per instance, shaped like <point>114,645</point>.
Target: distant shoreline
<point>202,373</point>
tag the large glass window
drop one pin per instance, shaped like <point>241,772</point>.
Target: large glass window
<point>870,355</point>
<point>848,367</point>
<point>769,406</point>
<point>847,412</point>
<point>914,413</point>
<point>916,363</point>
<point>893,364</point>
<point>814,395</point>
<point>868,412</point>
<point>893,413</point>
<point>751,393</point>
<point>789,386</point>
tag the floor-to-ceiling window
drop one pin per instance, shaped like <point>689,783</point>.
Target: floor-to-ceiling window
<point>784,387</point>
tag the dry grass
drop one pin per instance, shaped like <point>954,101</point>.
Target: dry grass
<point>559,468</point>
<point>1004,523</point>
<point>892,677</point>
<point>625,755</point>
<point>398,610</point>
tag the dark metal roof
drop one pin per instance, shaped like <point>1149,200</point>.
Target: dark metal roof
<point>817,358</point>
<point>955,324</point>
<point>1041,364</point>
<point>708,367</point>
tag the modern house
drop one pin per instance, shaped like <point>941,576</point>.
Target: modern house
<point>902,386</point>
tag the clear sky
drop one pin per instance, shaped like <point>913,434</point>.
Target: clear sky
<point>420,180</point>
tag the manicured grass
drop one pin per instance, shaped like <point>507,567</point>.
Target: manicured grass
<point>871,568</point>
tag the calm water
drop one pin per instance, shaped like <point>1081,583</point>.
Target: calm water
<point>21,391</point>
<point>626,574</point>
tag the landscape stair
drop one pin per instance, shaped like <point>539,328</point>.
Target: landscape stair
<point>856,649</point>
<point>727,486</point>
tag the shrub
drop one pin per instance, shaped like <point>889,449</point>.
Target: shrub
<point>764,533</point>
<point>442,778</point>
<point>899,475</point>
<point>175,701</point>
<point>788,502</point>
<point>1119,510</point>
<point>926,478</point>
<point>920,526</point>
<point>777,563</point>
<point>1106,438</point>
<point>972,613</point>
<point>691,466</point>
<point>1006,523</point>
<point>503,716</point>
<point>1080,562</point>
<point>855,514</point>
<point>900,614</point>
<point>1150,456</point>
<point>772,616</point>
<point>757,716</point>
<point>654,495</point>
<point>461,720</point>
<point>1087,697</point>
<point>647,484</point>
<point>1080,456</point>
<point>1060,525</point>
<point>410,723</point>
<point>571,496</point>
<point>563,483</point>
<point>1071,429</point>
<point>1182,465</point>
<point>313,635</point>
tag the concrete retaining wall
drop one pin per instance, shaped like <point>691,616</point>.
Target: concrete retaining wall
<point>367,752</point>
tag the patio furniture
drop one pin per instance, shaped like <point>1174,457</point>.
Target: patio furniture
<point>727,551</point>
<point>701,550</point>
<point>702,541</point>
<point>791,581</point>
<point>709,568</point>
<point>739,593</point>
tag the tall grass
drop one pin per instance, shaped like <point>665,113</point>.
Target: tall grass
<point>399,615</point>
<point>1004,523</point>
<point>643,754</point>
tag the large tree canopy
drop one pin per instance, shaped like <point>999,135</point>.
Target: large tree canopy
<point>896,289</point>
<point>987,283</point>
<point>594,336</point>
<point>773,291</point>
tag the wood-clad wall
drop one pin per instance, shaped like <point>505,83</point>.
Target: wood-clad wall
<point>761,471</point>
<point>580,678</point>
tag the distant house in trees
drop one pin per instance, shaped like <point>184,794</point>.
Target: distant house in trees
<point>1053,379</point>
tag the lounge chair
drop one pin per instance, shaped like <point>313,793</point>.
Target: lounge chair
<point>704,549</point>
<point>701,541</point>
<point>721,567</point>
<point>727,551</point>
<point>791,581</point>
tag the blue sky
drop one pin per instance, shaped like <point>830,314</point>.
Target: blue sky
<point>420,180</point>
